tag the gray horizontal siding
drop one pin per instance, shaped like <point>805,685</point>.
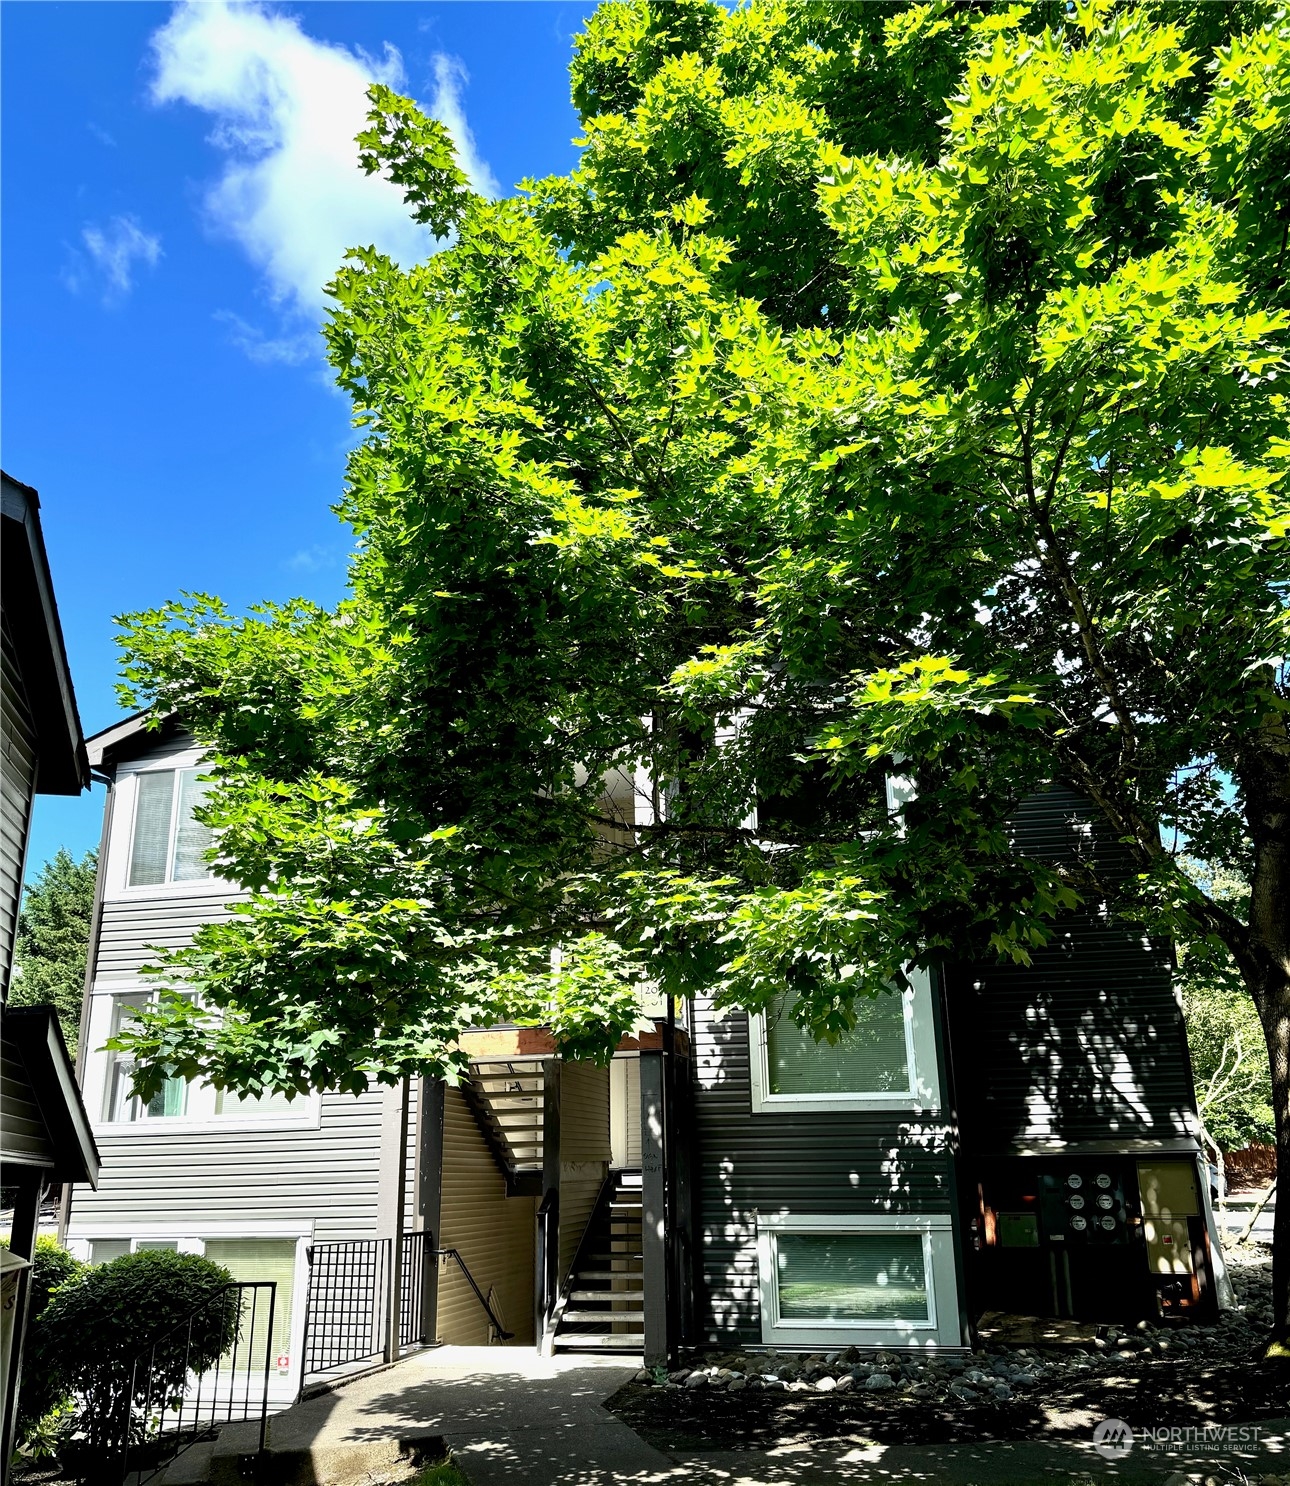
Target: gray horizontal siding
<point>134,928</point>
<point>325,1179</point>
<point>835,1162</point>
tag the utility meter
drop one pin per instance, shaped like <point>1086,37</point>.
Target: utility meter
<point>1078,1222</point>
<point>1076,1201</point>
<point>1074,1181</point>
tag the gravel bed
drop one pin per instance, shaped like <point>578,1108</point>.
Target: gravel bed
<point>1147,1375</point>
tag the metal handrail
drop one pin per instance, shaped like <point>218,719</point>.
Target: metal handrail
<point>502,1333</point>
<point>218,1414</point>
<point>548,1256</point>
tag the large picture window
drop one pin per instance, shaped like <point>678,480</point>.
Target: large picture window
<point>889,1279</point>
<point>887,1060</point>
<point>168,844</point>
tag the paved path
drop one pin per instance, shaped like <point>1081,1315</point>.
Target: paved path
<point>1234,1217</point>
<point>509,1416</point>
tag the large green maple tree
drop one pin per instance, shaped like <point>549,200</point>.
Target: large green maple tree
<point>886,383</point>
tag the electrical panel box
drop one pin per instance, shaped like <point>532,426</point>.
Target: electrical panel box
<point>1167,1189</point>
<point>1168,1245</point>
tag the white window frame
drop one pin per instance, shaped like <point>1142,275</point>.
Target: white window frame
<point>304,1113</point>
<point>940,1329</point>
<point>116,878</point>
<point>922,1096</point>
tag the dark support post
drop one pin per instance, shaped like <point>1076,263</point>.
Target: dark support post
<point>547,1278</point>
<point>430,1102</point>
<point>654,1209</point>
<point>22,1245</point>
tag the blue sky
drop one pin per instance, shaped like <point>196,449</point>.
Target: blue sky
<point>177,185</point>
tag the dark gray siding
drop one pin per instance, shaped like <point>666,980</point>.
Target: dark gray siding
<point>17,783</point>
<point>24,1138</point>
<point>1087,1043</point>
<point>853,1162</point>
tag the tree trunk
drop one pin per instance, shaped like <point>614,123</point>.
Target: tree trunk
<point>1274,1011</point>
<point>1265,966</point>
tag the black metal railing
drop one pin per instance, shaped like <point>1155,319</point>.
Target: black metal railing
<point>411,1287</point>
<point>548,1259</point>
<point>348,1298</point>
<point>494,1320</point>
<point>210,1370</point>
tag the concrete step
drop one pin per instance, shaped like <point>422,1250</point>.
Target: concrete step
<point>192,1468</point>
<point>594,1276</point>
<point>606,1296</point>
<point>621,1341</point>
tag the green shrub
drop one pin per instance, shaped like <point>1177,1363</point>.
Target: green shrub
<point>95,1329</point>
<point>52,1266</point>
<point>42,1393</point>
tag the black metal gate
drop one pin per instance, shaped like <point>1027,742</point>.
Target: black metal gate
<point>348,1298</point>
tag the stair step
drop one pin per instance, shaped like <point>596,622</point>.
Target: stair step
<point>621,1318</point>
<point>607,1296</point>
<point>592,1277</point>
<point>591,1342</point>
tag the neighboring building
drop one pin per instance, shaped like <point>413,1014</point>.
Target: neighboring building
<point>725,1181</point>
<point>44,1134</point>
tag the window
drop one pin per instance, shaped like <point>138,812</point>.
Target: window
<point>104,1250</point>
<point>888,1060</point>
<point>260,1259</point>
<point>876,1277</point>
<point>857,1277</point>
<point>168,844</point>
<point>121,1105</point>
<point>182,1103</point>
<point>873,1058</point>
<point>229,1103</point>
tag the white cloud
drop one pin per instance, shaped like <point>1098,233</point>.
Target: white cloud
<point>267,350</point>
<point>114,251</point>
<point>315,559</point>
<point>286,109</point>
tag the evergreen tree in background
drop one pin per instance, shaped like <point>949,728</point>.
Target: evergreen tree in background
<point>53,939</point>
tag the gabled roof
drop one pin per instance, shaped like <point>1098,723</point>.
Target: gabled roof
<point>31,617</point>
<point>129,738</point>
<point>33,1041</point>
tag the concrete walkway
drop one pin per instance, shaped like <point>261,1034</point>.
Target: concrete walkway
<point>509,1416</point>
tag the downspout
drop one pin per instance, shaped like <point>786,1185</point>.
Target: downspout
<point>91,967</point>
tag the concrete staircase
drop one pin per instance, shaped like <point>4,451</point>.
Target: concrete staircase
<point>604,1305</point>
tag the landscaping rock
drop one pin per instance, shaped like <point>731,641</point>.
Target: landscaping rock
<point>877,1381</point>
<point>825,1384</point>
<point>961,1390</point>
<point>844,1384</point>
